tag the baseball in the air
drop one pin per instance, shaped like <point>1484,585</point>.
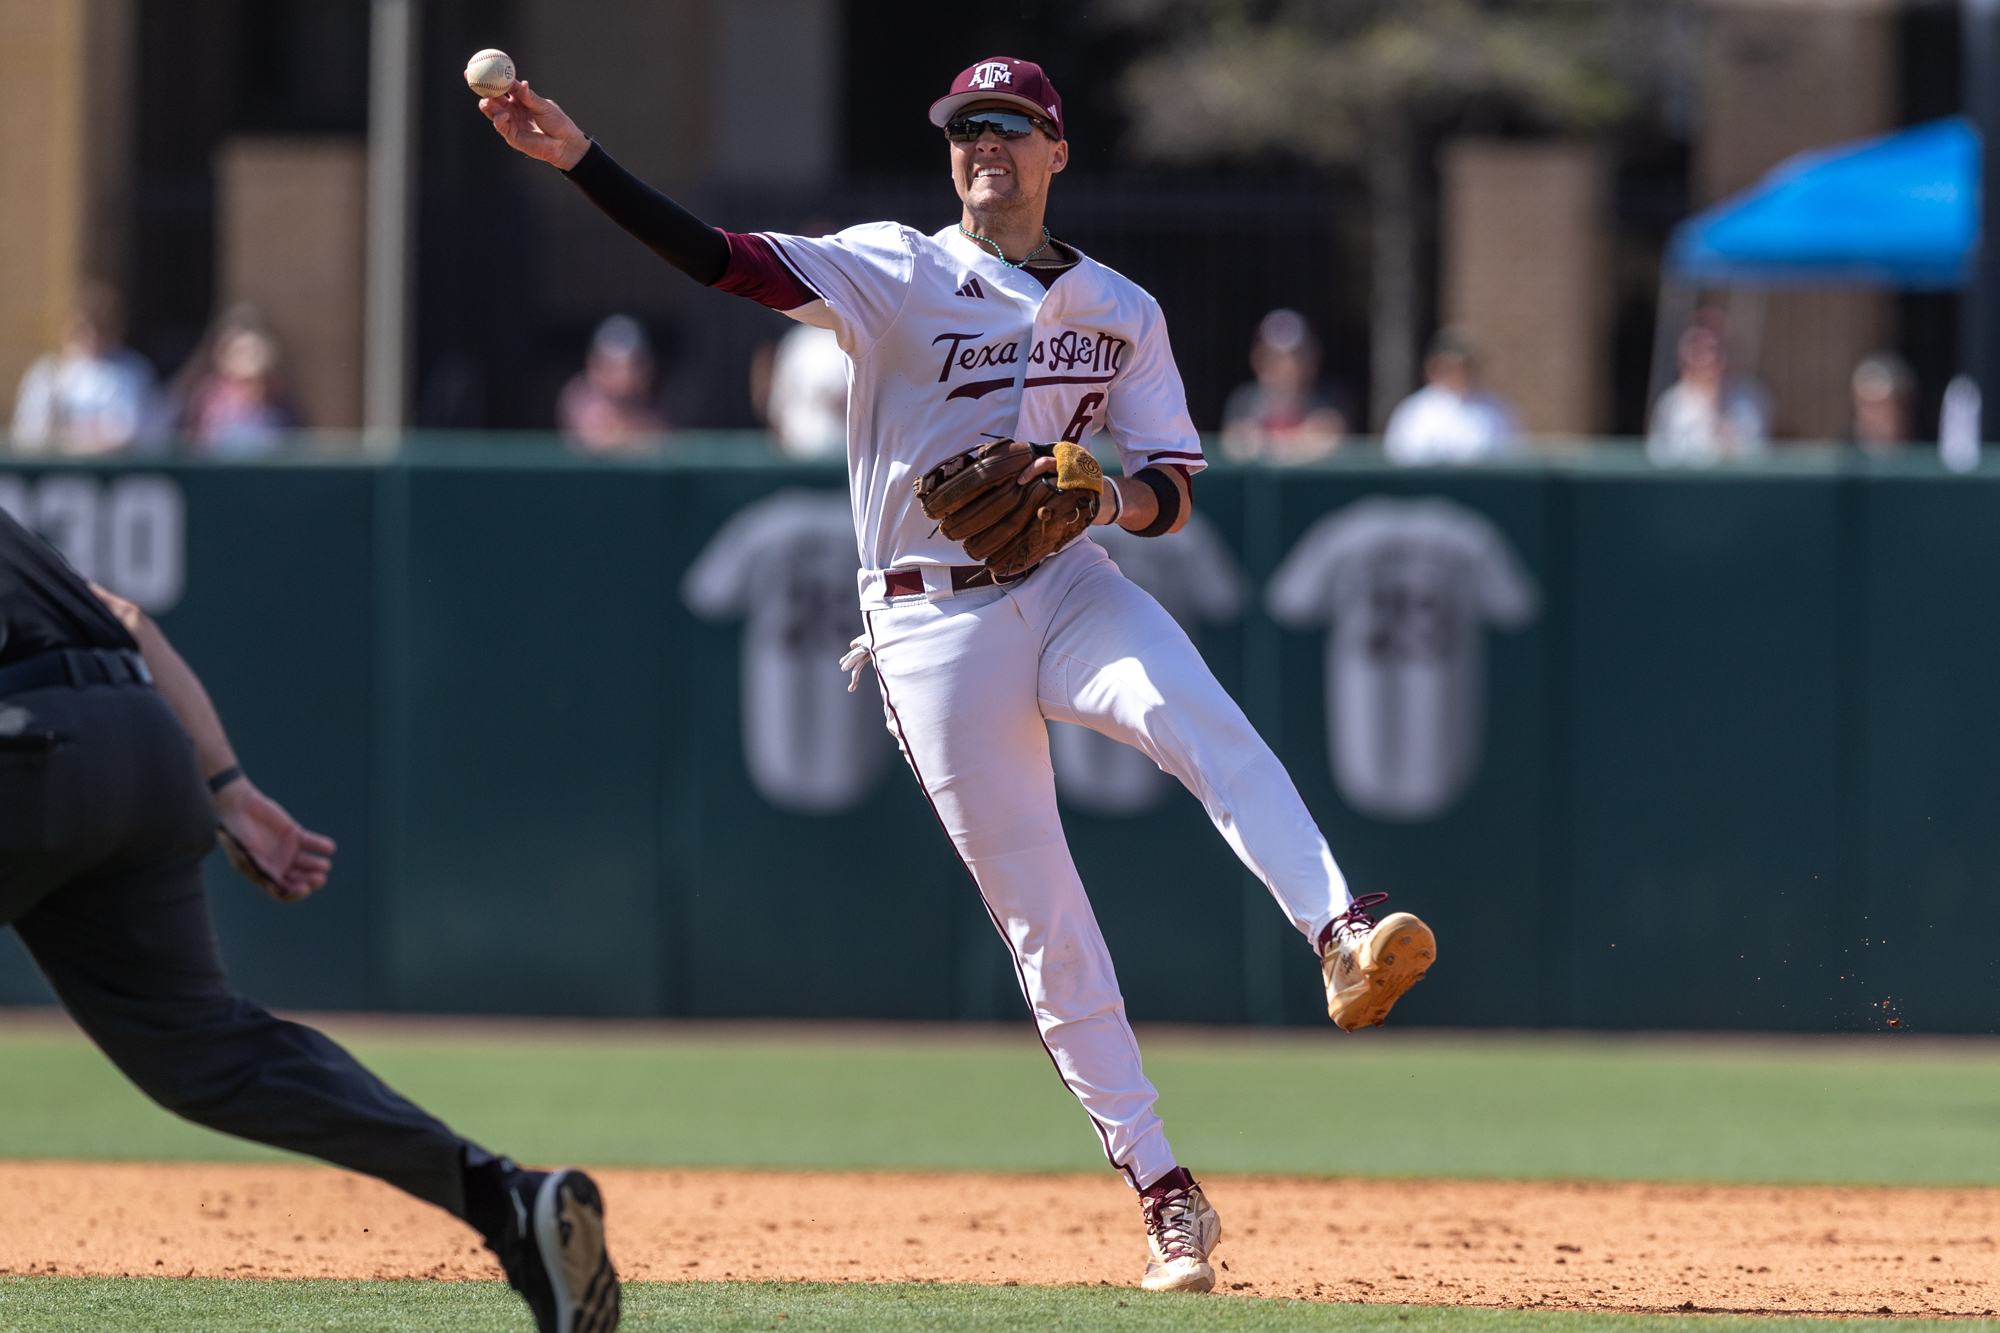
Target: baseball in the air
<point>490,73</point>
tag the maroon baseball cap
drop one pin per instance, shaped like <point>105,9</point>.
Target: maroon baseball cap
<point>1002,79</point>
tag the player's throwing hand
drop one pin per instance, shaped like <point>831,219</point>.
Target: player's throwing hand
<point>536,126</point>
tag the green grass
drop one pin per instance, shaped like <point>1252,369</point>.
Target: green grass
<point>1864,1111</point>
<point>1506,1106</point>
<point>171,1305</point>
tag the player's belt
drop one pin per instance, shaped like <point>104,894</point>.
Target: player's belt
<point>910,582</point>
<point>76,667</point>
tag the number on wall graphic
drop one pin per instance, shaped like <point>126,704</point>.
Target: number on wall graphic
<point>129,534</point>
<point>145,546</point>
<point>66,506</point>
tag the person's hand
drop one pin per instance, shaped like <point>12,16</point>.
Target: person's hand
<point>534,125</point>
<point>1041,467</point>
<point>286,861</point>
<point>1114,512</point>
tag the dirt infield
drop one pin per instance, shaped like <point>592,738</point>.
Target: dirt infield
<point>1750,1249</point>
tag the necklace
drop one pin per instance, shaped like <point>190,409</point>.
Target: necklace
<point>1000,254</point>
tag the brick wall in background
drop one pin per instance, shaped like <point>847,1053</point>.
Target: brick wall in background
<point>63,165</point>
<point>1524,267</point>
<point>290,241</point>
<point>1779,77</point>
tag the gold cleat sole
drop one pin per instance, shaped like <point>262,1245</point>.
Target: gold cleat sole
<point>1394,958</point>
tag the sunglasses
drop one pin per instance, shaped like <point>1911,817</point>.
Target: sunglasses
<point>1007,124</point>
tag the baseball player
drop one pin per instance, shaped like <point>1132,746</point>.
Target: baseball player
<point>987,608</point>
<point>106,737</point>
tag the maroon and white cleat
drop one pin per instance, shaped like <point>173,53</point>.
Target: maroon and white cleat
<point>1181,1229</point>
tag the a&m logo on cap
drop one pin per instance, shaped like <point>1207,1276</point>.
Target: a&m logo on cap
<point>1004,79</point>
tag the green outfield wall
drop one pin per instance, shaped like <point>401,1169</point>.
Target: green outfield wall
<point>1741,769</point>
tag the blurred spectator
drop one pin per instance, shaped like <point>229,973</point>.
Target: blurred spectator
<point>609,408</point>
<point>1884,398</point>
<point>1958,424</point>
<point>92,397</point>
<point>807,401</point>
<point>1451,419</point>
<point>1705,416</point>
<point>237,405</point>
<point>1282,416</point>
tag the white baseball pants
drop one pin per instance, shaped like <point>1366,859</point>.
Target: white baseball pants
<point>966,683</point>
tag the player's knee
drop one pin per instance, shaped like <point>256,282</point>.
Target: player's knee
<point>1212,732</point>
<point>194,1056</point>
<point>1071,986</point>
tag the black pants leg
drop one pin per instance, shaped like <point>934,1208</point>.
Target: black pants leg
<point>117,920</point>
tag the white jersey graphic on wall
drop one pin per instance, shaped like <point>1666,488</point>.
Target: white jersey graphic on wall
<point>786,563</point>
<point>1408,586</point>
<point>1195,578</point>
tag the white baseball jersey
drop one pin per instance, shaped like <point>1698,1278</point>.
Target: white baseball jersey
<point>1407,585</point>
<point>951,347</point>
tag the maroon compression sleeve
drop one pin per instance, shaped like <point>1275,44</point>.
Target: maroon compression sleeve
<point>756,270</point>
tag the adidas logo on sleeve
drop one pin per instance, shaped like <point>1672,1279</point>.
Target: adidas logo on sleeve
<point>973,289</point>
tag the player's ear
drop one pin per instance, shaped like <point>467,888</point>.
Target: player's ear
<point>1059,158</point>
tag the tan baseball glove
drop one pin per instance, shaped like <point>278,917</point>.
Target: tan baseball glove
<point>978,500</point>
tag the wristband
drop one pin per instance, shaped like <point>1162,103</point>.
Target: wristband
<point>1169,496</point>
<point>224,778</point>
<point>1118,513</point>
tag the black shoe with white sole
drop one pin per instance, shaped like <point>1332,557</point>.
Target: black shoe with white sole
<point>552,1248</point>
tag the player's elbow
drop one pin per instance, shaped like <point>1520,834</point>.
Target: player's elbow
<point>136,622</point>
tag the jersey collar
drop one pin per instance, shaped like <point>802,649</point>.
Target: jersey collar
<point>956,242</point>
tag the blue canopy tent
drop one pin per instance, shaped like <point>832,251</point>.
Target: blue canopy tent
<point>1899,211</point>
